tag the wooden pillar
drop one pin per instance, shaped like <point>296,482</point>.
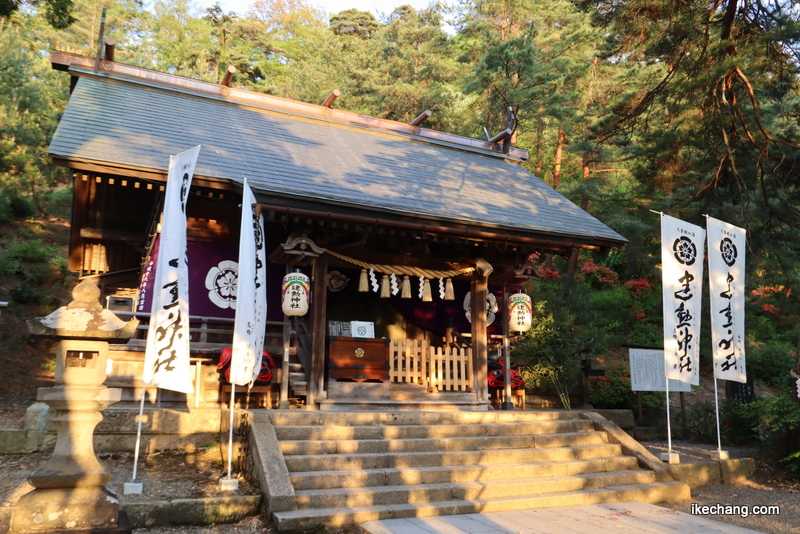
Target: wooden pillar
<point>316,378</point>
<point>479,292</point>
<point>80,195</point>
<point>508,403</point>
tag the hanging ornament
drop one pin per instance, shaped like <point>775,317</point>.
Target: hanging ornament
<point>373,280</point>
<point>520,310</point>
<point>406,294</point>
<point>395,287</point>
<point>449,293</point>
<point>385,293</point>
<point>363,283</point>
<point>421,291</point>
<point>295,294</point>
<point>426,290</point>
<point>441,289</point>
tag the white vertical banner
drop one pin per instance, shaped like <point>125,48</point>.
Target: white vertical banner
<point>166,360</point>
<point>682,247</point>
<point>726,258</point>
<point>251,295</point>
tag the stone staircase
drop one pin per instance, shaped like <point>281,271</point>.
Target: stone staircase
<point>347,468</point>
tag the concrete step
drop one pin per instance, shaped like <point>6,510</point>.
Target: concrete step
<point>321,418</point>
<point>421,493</point>
<point>317,433</point>
<point>357,450</point>
<point>455,472</point>
<point>302,519</point>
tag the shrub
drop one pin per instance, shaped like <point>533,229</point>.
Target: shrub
<point>613,391</point>
<point>776,420</point>
<point>771,362</point>
<point>58,202</point>
<point>24,294</point>
<point>736,422</point>
<point>30,251</point>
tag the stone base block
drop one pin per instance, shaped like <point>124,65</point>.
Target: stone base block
<point>228,484</point>
<point>671,457</point>
<point>68,510</point>
<point>720,455</point>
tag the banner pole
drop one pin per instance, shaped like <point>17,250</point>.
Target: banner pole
<point>230,429</point>
<point>669,420</point>
<point>229,483</point>
<point>134,487</point>
<point>669,456</point>
<point>720,454</point>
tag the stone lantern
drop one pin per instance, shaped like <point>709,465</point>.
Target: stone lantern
<point>70,492</point>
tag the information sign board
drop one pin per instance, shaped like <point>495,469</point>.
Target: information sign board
<point>647,372</point>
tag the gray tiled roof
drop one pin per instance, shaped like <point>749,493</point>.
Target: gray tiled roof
<point>132,124</point>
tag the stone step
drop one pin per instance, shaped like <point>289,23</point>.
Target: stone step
<point>316,433</point>
<point>479,443</point>
<point>321,418</point>
<point>302,519</point>
<point>471,490</point>
<point>431,472</point>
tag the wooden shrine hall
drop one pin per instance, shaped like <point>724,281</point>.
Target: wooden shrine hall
<point>409,235</point>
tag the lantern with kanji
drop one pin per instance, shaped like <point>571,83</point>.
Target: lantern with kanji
<point>520,310</point>
<point>295,294</point>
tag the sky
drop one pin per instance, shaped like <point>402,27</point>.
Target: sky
<point>330,6</point>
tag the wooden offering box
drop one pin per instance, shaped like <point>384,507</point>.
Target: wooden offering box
<point>358,358</point>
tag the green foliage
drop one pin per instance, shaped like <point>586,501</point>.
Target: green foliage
<point>31,99</point>
<point>361,24</point>
<point>26,294</point>
<point>553,348</point>
<point>736,422</point>
<point>776,420</point>
<point>613,391</point>
<point>771,362</point>
<point>57,13</point>
<point>700,421</point>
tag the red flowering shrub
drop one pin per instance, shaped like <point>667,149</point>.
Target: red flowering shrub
<point>638,288</point>
<point>598,273</point>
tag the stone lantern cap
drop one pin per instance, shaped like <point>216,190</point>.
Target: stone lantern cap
<point>84,317</point>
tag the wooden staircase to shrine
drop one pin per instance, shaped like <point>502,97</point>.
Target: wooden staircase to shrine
<point>347,468</point>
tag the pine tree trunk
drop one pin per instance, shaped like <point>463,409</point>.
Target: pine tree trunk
<point>558,158</point>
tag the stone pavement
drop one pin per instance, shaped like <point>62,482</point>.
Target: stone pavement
<point>617,518</point>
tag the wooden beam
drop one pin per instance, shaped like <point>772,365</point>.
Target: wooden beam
<point>112,235</point>
<point>109,53</point>
<point>544,240</point>
<point>480,357</point>
<point>228,78</point>
<point>502,135</point>
<point>331,98</point>
<point>422,117</point>
<point>316,379</point>
<point>144,174</point>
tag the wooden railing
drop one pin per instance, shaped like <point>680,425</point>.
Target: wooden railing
<point>206,333</point>
<point>451,369</point>
<point>413,361</point>
<point>407,362</point>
